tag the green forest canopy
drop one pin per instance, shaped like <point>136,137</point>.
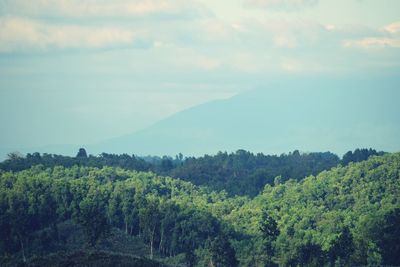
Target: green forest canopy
<point>349,215</point>
<point>239,173</point>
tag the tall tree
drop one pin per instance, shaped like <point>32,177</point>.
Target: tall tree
<point>81,153</point>
<point>270,232</point>
<point>389,238</point>
<point>150,221</point>
<point>221,253</point>
<point>92,217</point>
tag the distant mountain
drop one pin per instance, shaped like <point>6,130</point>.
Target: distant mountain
<point>305,115</point>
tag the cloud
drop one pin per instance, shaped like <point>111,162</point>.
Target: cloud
<point>393,28</point>
<point>19,34</point>
<point>268,33</point>
<point>387,37</point>
<point>372,42</point>
<point>104,8</point>
<point>294,46</point>
<point>46,25</point>
<point>287,5</point>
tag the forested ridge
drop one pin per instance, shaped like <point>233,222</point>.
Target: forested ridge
<point>345,216</point>
<point>238,173</point>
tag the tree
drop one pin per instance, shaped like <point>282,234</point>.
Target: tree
<point>166,164</point>
<point>270,232</point>
<point>269,226</point>
<point>128,208</point>
<point>389,239</point>
<point>20,219</point>
<point>81,153</point>
<point>92,217</point>
<point>342,248</point>
<point>359,155</point>
<point>14,156</point>
<point>150,221</point>
<point>221,253</point>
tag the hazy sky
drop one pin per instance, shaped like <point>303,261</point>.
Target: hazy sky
<point>80,71</point>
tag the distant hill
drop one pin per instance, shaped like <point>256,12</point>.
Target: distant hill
<point>304,115</point>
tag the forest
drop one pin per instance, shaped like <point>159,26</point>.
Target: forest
<point>238,173</point>
<point>237,209</point>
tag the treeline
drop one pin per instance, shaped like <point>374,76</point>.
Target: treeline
<point>239,173</point>
<point>244,173</point>
<point>349,216</point>
<point>359,155</point>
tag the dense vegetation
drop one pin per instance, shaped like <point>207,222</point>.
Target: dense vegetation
<point>240,173</point>
<point>244,173</point>
<point>349,215</point>
<point>89,259</point>
<point>346,216</point>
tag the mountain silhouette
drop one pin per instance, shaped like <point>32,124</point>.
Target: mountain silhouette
<point>283,116</point>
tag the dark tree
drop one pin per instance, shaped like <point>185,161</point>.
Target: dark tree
<point>81,153</point>
<point>166,164</point>
<point>222,253</point>
<point>342,248</point>
<point>93,219</point>
<point>359,155</point>
<point>270,232</point>
<point>269,227</point>
<point>389,239</point>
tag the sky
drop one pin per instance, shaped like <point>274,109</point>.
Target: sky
<point>81,71</point>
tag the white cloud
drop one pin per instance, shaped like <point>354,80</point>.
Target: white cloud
<point>393,28</point>
<point>330,27</point>
<point>372,42</point>
<point>387,37</point>
<point>281,4</point>
<point>272,33</point>
<point>104,8</point>
<point>45,25</point>
<point>18,34</point>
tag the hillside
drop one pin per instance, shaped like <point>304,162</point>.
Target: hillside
<point>346,216</point>
<point>281,117</point>
<point>239,173</point>
<point>294,114</point>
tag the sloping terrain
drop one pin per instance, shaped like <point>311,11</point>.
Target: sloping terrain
<point>308,116</point>
<point>346,216</point>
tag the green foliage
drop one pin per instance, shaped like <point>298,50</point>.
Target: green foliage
<point>359,155</point>
<point>92,215</point>
<point>243,173</point>
<point>269,227</point>
<point>164,212</point>
<point>388,237</point>
<point>333,218</point>
<point>343,217</point>
<point>239,173</point>
<point>270,232</point>
<point>89,259</point>
<point>221,253</point>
